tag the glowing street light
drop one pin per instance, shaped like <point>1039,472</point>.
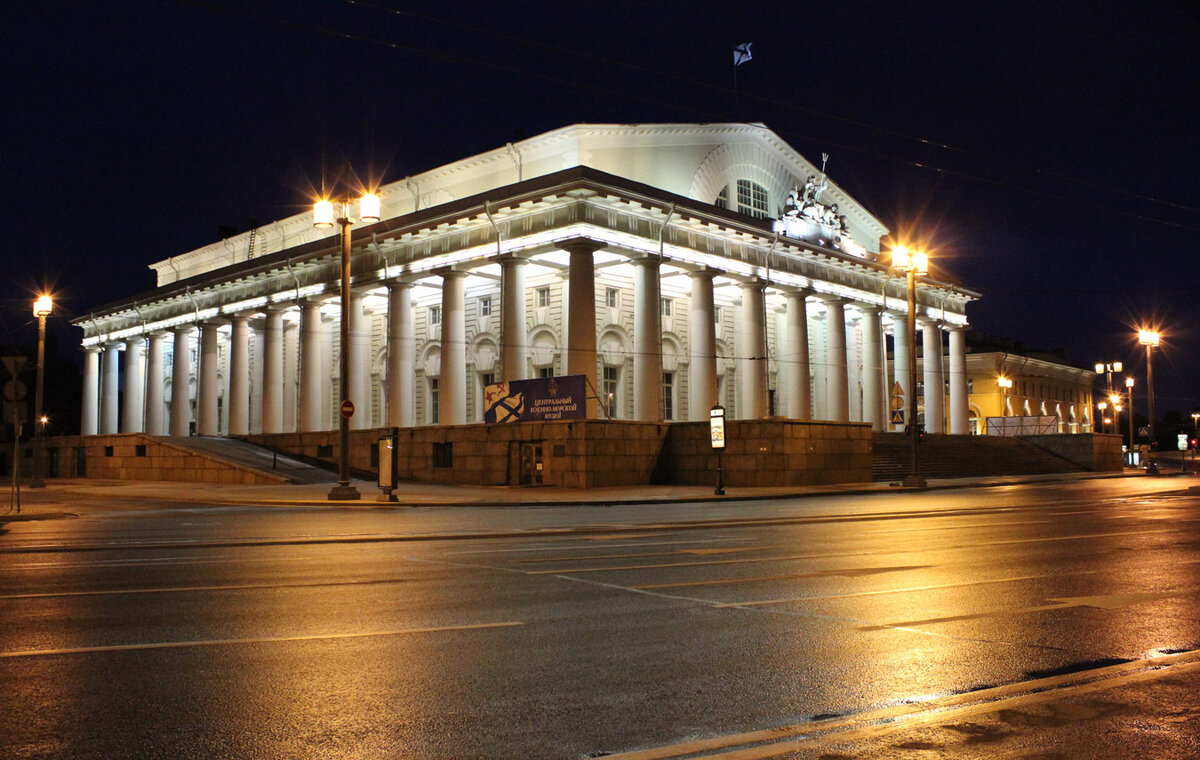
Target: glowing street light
<point>1005,384</point>
<point>910,264</point>
<point>42,308</point>
<point>1150,339</point>
<point>325,214</point>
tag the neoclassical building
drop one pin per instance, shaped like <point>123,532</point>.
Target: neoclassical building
<point>675,266</point>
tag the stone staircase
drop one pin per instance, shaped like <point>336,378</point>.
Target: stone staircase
<point>257,457</point>
<point>963,456</point>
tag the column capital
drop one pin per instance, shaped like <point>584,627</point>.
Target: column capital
<point>799,292</point>
<point>448,273</point>
<point>868,308</point>
<point>581,245</point>
<point>645,260</point>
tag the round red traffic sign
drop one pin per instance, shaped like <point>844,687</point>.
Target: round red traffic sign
<point>347,408</point>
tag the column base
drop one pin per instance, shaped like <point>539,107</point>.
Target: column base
<point>913,480</point>
<point>344,492</point>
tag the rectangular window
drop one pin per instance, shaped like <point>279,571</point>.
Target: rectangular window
<point>139,450</point>
<point>545,372</point>
<point>434,397</point>
<point>610,391</point>
<point>668,395</point>
<point>489,378</point>
<point>610,297</point>
<point>485,306</point>
<point>443,454</point>
<point>716,315</point>
<point>543,297</point>
<point>435,315</point>
<point>666,307</point>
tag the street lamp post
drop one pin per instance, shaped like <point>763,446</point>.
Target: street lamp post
<point>1107,369</point>
<point>1150,339</point>
<point>910,264</point>
<point>42,308</point>
<point>323,218</point>
<point>1129,393</point>
<point>1195,438</point>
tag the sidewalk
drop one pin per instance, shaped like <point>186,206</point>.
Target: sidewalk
<point>60,495</point>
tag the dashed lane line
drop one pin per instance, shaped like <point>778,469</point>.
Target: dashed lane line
<point>257,640</point>
<point>799,557</point>
<point>904,590</point>
<point>853,572</point>
<point>220,587</point>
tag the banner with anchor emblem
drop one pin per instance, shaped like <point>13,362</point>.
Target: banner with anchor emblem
<point>543,398</point>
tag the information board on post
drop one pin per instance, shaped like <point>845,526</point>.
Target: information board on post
<point>716,426</point>
<point>537,399</point>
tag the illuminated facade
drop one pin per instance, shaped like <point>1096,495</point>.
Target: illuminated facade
<point>675,266</point>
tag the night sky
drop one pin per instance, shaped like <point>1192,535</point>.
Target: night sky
<point>1047,156</point>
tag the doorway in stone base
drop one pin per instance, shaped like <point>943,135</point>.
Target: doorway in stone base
<point>530,464</point>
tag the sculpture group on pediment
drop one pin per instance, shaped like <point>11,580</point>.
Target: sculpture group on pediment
<point>806,218</point>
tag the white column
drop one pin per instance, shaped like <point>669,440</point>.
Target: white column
<point>702,331</point>
<point>874,371</point>
<point>900,354</point>
<point>154,385</point>
<point>207,391</point>
<point>752,348</point>
<point>452,385</point>
<point>108,390</point>
<point>514,354</point>
<point>89,421</point>
<point>131,411</point>
<point>931,364</point>
<point>581,314</point>
<point>794,358</point>
<point>402,353</point>
<point>647,341</point>
<point>181,374</point>
<point>313,373</point>
<point>959,410</point>
<point>256,375</point>
<point>360,363</point>
<point>272,391</point>
<point>837,391</point>
<point>854,373</point>
<point>238,402</point>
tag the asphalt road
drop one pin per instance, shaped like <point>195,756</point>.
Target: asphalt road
<point>1048,621</point>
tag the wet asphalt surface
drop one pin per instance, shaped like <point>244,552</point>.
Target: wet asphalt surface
<point>154,631</point>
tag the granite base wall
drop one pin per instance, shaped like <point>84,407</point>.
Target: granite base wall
<point>595,453</point>
<point>134,456</point>
<point>1098,452</point>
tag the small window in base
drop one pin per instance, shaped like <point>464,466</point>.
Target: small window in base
<point>139,450</point>
<point>443,454</point>
<point>325,451</point>
<point>108,451</point>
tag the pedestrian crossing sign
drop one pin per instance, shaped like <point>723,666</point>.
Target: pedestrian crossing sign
<point>897,416</point>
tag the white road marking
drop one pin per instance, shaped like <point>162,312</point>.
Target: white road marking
<point>260,640</point>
